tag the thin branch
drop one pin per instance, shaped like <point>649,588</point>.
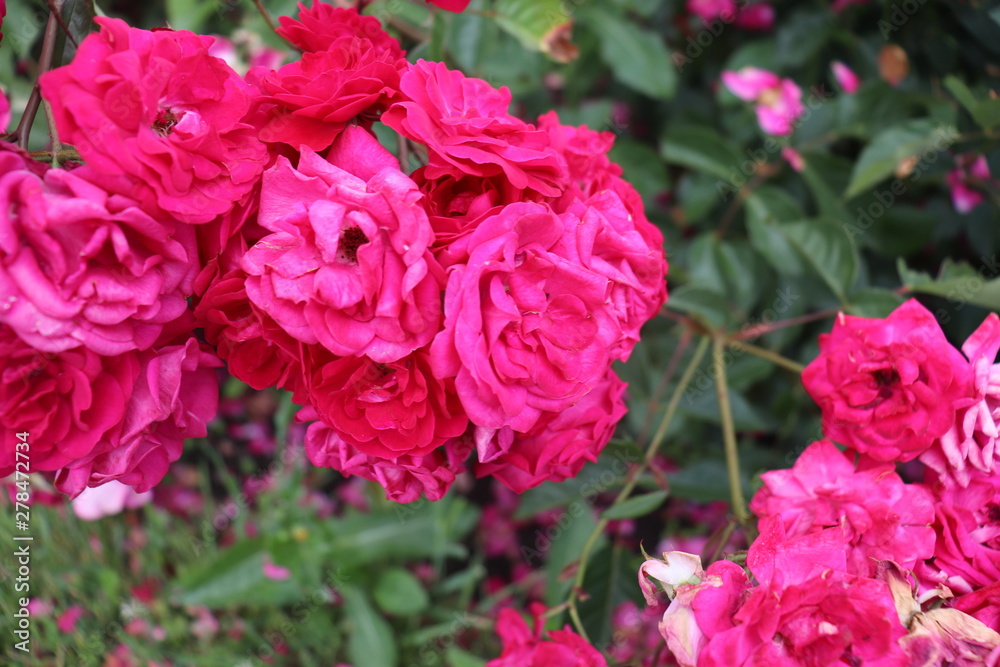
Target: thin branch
<point>728,430</point>
<point>773,357</point>
<point>44,64</point>
<point>267,16</point>
<point>761,329</point>
<point>55,7</point>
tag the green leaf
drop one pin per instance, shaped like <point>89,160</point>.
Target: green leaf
<point>874,302</point>
<point>540,25</point>
<point>827,175</point>
<point>189,14</point>
<point>22,26</point>
<point>767,207</point>
<point>960,283</point>
<point>703,304</point>
<point>641,167</point>
<point>882,156</point>
<point>638,57</point>
<point>985,112</point>
<point>235,576</point>
<point>371,641</point>
<point>399,593</point>
<point>635,507</point>
<point>456,657</point>
<point>702,149</point>
<point>827,248</point>
<point>568,535</point>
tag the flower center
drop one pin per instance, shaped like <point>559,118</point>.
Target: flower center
<point>351,239</point>
<point>993,513</point>
<point>885,379</point>
<point>164,122</point>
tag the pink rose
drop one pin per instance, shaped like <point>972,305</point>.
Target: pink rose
<point>971,175</point>
<point>526,329</point>
<point>107,500</point>
<point>712,10</point>
<point>888,388</point>
<point>154,115</point>
<point>971,444</point>
<point>255,349</point>
<point>584,151</point>
<point>983,604</point>
<point>465,124</point>
<point>557,447</point>
<point>320,27</point>
<point>347,265</point>
<point>845,77</point>
<point>778,101</point>
<point>386,409</point>
<point>81,267</point>
<point>603,236</point>
<point>451,5</point>
<point>881,517</point>
<point>405,478</point>
<point>967,555</point>
<point>174,397</point>
<point>759,17</point>
<point>4,106</point>
<point>310,101</point>
<point>524,648</point>
<point>69,402</point>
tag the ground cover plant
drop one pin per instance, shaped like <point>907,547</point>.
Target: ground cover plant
<point>497,332</point>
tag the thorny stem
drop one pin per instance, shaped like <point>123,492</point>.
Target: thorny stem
<point>630,484</point>
<point>761,329</point>
<point>44,64</point>
<point>267,16</point>
<point>55,7</point>
<point>728,430</point>
<point>773,357</point>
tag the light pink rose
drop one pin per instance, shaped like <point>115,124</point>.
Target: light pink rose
<point>81,267</point>
<point>69,402</point>
<point>526,329</point>
<point>557,446</point>
<point>778,101</point>
<point>971,444</point>
<point>465,124</point>
<point>888,387</point>
<point>845,77</point>
<point>175,395</point>
<point>881,517</point>
<point>107,500</point>
<point>405,478</point>
<point>348,264</point>
<point>155,116</point>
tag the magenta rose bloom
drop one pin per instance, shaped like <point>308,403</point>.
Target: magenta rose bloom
<point>972,444</point>
<point>255,349</point>
<point>888,388</point>
<point>347,265</point>
<point>81,267</point>
<point>68,401</point>
<point>881,517</point>
<point>523,647</point>
<point>175,395</point>
<point>465,124</point>
<point>309,102</point>
<point>320,27</point>
<point>604,237</point>
<point>526,330</point>
<point>983,604</point>
<point>405,478</point>
<point>557,447</point>
<point>155,116</point>
<point>967,554</point>
<point>386,409</point>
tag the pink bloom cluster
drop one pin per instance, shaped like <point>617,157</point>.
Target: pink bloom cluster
<point>967,181</point>
<point>853,564</point>
<point>523,647</point>
<point>474,303</point>
<point>742,14</point>
<point>778,102</point>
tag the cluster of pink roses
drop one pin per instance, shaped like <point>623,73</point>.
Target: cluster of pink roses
<point>476,302</point>
<point>854,566</point>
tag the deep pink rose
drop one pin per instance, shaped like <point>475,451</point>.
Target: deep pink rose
<point>68,401</point>
<point>888,387</point>
<point>967,555</point>
<point>405,478</point>
<point>984,604</point>
<point>81,267</point>
<point>451,5</point>
<point>604,237</point>
<point>386,409</point>
<point>526,330</point>
<point>524,648</point>
<point>155,116</point>
<point>4,107</point>
<point>347,265</point>
<point>309,102</point>
<point>759,17</point>
<point>881,517</point>
<point>256,350</point>
<point>560,443</point>
<point>320,27</point>
<point>971,444</point>
<point>585,151</point>
<point>465,124</point>
<point>175,395</point>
